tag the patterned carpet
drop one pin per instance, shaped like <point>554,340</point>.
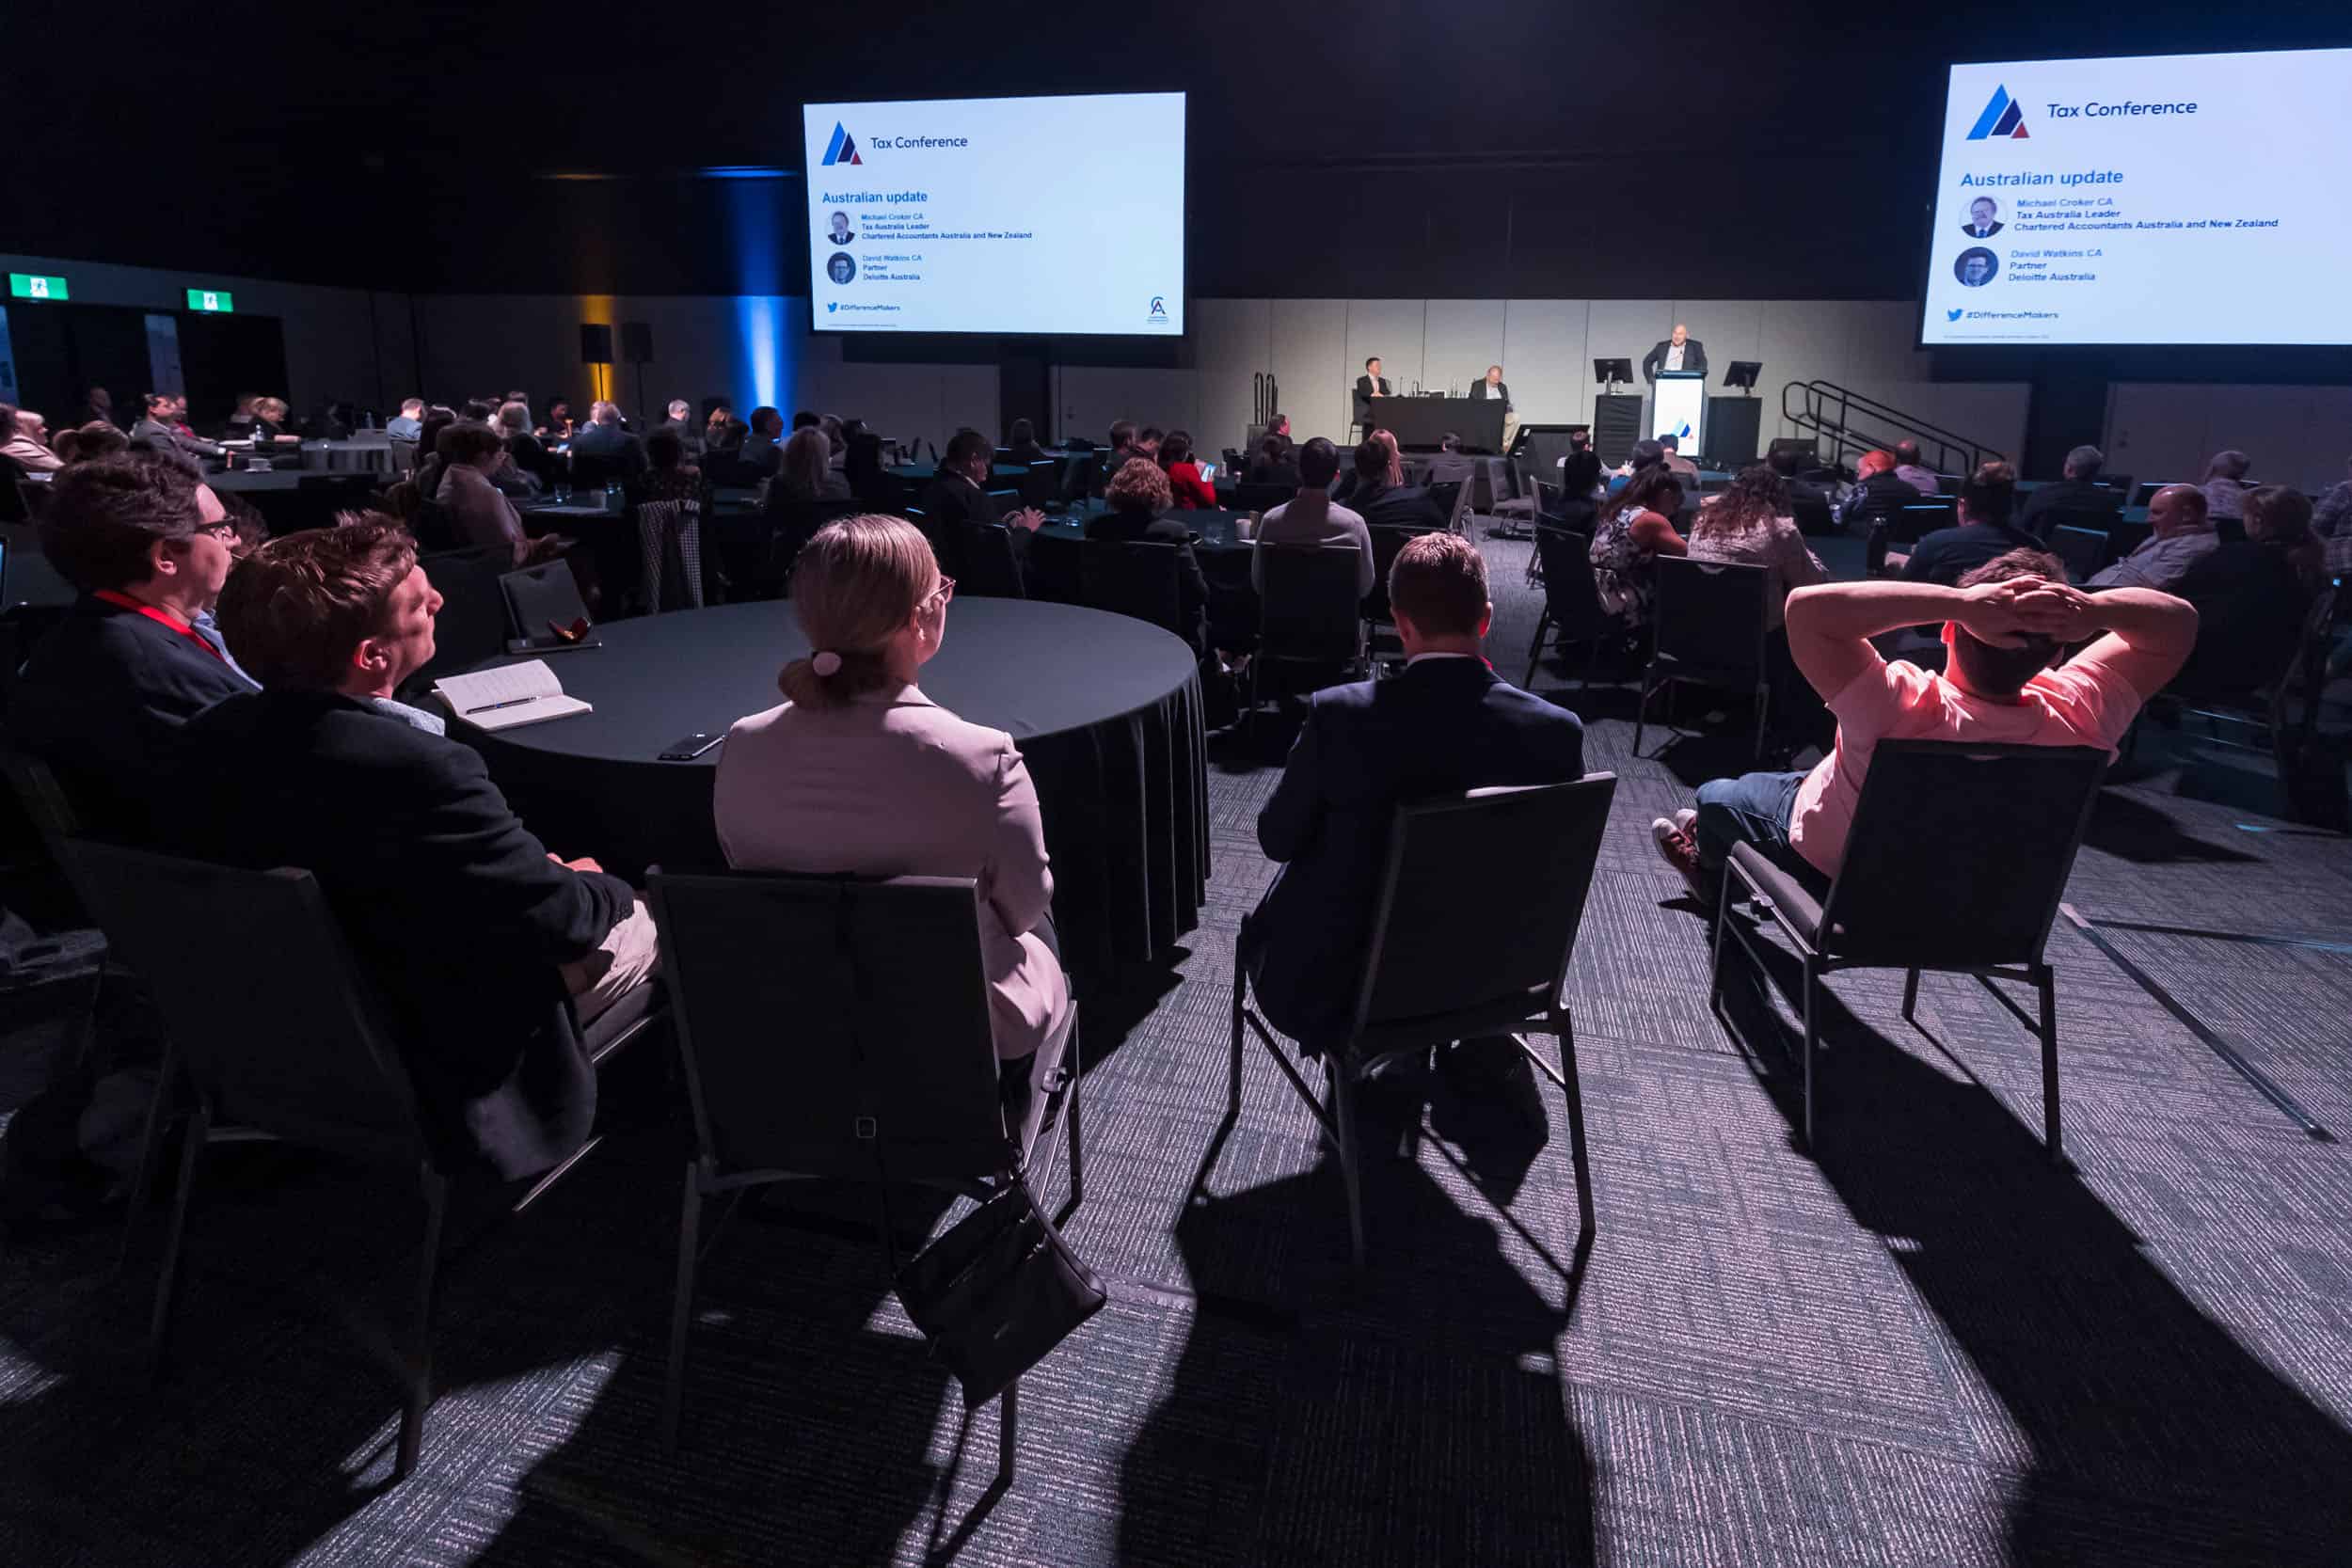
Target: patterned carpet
<point>1928,1347</point>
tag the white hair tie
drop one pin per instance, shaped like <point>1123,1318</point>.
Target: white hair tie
<point>826,663</point>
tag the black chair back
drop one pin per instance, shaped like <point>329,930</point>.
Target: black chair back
<point>1709,619</point>
<point>1263,497</point>
<point>1452,499</point>
<point>1307,607</point>
<point>2124,537</point>
<point>272,1021</point>
<point>14,507</point>
<point>1811,511</point>
<point>2083,550</point>
<point>473,619</point>
<point>1915,520</point>
<point>827,1021</point>
<point>1959,854</point>
<point>1136,579</point>
<point>991,569</point>
<point>1570,594</point>
<point>1387,545</point>
<point>540,597</point>
<point>1040,487</point>
<point>1522,858</point>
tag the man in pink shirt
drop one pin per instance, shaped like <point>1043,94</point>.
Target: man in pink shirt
<point>2003,624</point>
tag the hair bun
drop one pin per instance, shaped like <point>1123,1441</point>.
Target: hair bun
<point>826,662</point>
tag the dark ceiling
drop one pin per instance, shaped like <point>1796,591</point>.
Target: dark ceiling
<point>1462,148</point>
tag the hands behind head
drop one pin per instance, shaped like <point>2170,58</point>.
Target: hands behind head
<point>2004,614</point>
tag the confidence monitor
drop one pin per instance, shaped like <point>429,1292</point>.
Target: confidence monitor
<point>1005,215</point>
<point>2159,199</point>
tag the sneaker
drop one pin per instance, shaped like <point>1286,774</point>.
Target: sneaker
<point>1680,847</point>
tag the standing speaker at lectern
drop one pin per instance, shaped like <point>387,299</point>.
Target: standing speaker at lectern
<point>1681,352</point>
<point>1368,387</point>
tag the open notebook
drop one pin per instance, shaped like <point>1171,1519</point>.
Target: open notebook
<point>516,694</point>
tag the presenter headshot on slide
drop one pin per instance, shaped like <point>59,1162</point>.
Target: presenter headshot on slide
<point>1983,218</point>
<point>840,269</point>
<point>1976,266</point>
<point>1679,351</point>
<point>1368,387</point>
<point>841,235</point>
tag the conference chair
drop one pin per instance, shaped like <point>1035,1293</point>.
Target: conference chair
<point>2124,535</point>
<point>542,603</point>
<point>1811,512</point>
<point>1707,626</point>
<point>1308,613</point>
<point>838,1027</point>
<point>1956,861</point>
<point>1453,497</point>
<point>1572,610</point>
<point>2083,550</point>
<point>1522,858</point>
<point>994,569</point>
<point>1516,514</point>
<point>1263,497</point>
<point>278,1035</point>
<point>1136,580</point>
<point>474,622</point>
<point>1042,486</point>
<point>1387,545</point>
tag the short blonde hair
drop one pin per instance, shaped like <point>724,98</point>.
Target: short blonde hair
<point>855,584</point>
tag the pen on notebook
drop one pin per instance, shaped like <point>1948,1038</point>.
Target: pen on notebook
<point>511,702</point>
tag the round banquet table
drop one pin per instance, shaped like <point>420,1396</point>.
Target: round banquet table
<point>1105,711</point>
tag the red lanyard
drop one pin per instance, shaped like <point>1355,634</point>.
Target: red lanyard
<point>124,601</point>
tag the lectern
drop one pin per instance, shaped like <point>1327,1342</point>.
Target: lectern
<point>1679,408</point>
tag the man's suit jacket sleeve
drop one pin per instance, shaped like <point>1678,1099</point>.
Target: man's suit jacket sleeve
<point>1651,360</point>
<point>1290,822</point>
<point>465,840</point>
<point>1697,359</point>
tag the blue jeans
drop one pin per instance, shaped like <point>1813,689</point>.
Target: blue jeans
<point>1753,808</point>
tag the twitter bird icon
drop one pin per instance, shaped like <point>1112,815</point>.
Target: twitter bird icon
<point>831,306</point>
<point>1953,314</point>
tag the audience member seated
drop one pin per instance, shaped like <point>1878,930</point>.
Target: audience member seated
<point>92,442</point>
<point>679,416</point>
<point>162,428</point>
<point>409,423</point>
<point>1280,425</point>
<point>836,441</point>
<point>2181,533</point>
<point>2251,595</point>
<point>1184,483</point>
<point>1671,455</point>
<point>1137,498</point>
<point>764,448</point>
<point>1786,462</point>
<point>1636,528</point>
<point>2333,519</point>
<point>858,771</point>
<point>1148,442</point>
<point>1580,476</point>
<point>957,501</point>
<point>1907,469</point>
<point>1645,455</point>
<point>1385,504</point>
<point>668,476</point>
<point>104,697</point>
<point>870,483</point>
<point>2078,499</point>
<point>429,464</point>
<point>2003,624</point>
<point>471,456</point>
<point>804,472</point>
<point>1390,471</point>
<point>602,451</point>
<point>723,447</point>
<point>25,442</point>
<point>558,425</point>
<point>271,418</point>
<point>97,409</point>
<point>1984,531</point>
<point>2225,484</point>
<point>1750,524</point>
<point>1312,517</point>
<point>490,954</point>
<point>1871,503</point>
<point>1022,447</point>
<point>1274,464</point>
<point>1122,447</point>
<point>528,453</point>
<point>1445,724</point>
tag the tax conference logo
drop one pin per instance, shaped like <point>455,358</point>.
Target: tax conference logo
<point>1159,305</point>
<point>2002,116</point>
<point>842,149</point>
<point>1682,431</point>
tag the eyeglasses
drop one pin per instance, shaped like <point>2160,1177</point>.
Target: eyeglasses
<point>944,591</point>
<point>224,530</point>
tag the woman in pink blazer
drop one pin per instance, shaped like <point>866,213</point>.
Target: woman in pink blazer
<point>859,772</point>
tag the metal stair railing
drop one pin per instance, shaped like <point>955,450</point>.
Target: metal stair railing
<point>1855,423</point>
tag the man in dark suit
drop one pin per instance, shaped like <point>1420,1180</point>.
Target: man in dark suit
<point>1446,725</point>
<point>163,428</point>
<point>1983,221</point>
<point>1678,350</point>
<point>495,961</point>
<point>601,450</point>
<point>1984,532</point>
<point>2078,499</point>
<point>1368,386</point>
<point>1384,505</point>
<point>957,502</point>
<point>104,698</point>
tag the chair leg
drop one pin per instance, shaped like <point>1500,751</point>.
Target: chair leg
<point>198,1127</point>
<point>151,1151</point>
<point>1723,921</point>
<point>1641,712</point>
<point>1812,988</point>
<point>689,1223</point>
<point>1241,995</point>
<point>1763,720</point>
<point>2045,981</point>
<point>1073,1132</point>
<point>1342,1101</point>
<point>1911,996</point>
<point>1577,1153</point>
<point>421,1352</point>
<point>1535,650</point>
<point>1008,1430</point>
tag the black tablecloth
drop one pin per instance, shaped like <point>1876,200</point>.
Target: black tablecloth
<point>1105,710</point>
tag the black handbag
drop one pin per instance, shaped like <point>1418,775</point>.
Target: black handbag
<point>999,1290</point>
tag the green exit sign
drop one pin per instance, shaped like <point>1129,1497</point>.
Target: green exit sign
<point>216,300</point>
<point>27,285</point>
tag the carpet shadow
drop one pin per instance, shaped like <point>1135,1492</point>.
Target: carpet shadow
<point>2156,1436</point>
<point>1412,1413</point>
<point>2132,829</point>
